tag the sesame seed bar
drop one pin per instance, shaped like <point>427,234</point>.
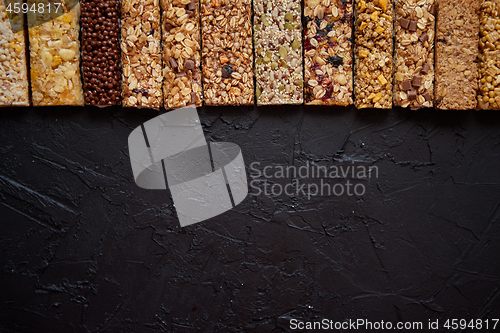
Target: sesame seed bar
<point>489,58</point>
<point>141,54</point>
<point>457,39</point>
<point>373,51</point>
<point>414,53</point>
<point>101,52</point>
<point>278,52</point>
<point>14,90</point>
<point>55,55</point>
<point>181,53</point>
<point>328,52</point>
<point>227,55</point>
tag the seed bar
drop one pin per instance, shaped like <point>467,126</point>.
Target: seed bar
<point>181,53</point>
<point>55,54</point>
<point>278,52</point>
<point>101,52</point>
<point>373,72</point>
<point>489,58</point>
<point>457,39</point>
<point>141,54</point>
<point>328,52</point>
<point>13,70</point>
<point>414,53</point>
<point>227,56</point>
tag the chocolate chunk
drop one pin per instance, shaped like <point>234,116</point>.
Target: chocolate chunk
<point>168,26</point>
<point>192,5</point>
<point>427,96</point>
<point>227,70</point>
<point>424,37</point>
<point>412,94</point>
<point>406,85</point>
<point>336,60</point>
<point>417,81</point>
<point>432,10</point>
<point>413,26</point>
<point>426,68</point>
<point>189,64</point>
<point>190,13</point>
<point>194,98</point>
<point>142,91</point>
<point>173,63</point>
<point>404,23</point>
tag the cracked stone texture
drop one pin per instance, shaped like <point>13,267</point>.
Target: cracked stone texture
<point>83,249</point>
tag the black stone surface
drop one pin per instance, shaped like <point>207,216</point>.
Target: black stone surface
<point>83,249</point>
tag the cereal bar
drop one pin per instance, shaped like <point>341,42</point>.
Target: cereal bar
<point>278,52</point>
<point>373,69</point>
<point>101,52</point>
<point>414,53</point>
<point>227,56</point>
<point>489,58</point>
<point>55,54</point>
<point>181,53</point>
<point>457,39</point>
<point>14,90</point>
<point>141,54</point>
<point>328,52</point>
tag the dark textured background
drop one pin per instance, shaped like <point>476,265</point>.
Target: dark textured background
<point>83,249</point>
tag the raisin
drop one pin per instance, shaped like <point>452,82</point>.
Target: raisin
<point>336,60</point>
<point>227,70</point>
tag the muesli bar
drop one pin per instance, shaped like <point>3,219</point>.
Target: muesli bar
<point>457,40</point>
<point>227,55</point>
<point>373,69</point>
<point>141,54</point>
<point>489,57</point>
<point>414,53</point>
<point>101,52</point>
<point>181,53</point>
<point>278,52</point>
<point>328,52</point>
<point>55,54</point>
<point>14,90</point>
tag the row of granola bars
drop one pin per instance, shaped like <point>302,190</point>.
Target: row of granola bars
<point>173,53</point>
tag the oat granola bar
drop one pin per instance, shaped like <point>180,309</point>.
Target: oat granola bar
<point>13,70</point>
<point>227,56</point>
<point>328,52</point>
<point>489,58</point>
<point>101,52</point>
<point>55,55</point>
<point>414,53</point>
<point>373,51</point>
<point>141,54</point>
<point>457,39</point>
<point>181,53</point>
<point>278,52</point>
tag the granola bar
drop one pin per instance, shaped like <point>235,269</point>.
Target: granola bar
<point>373,69</point>
<point>278,52</point>
<point>414,53</point>
<point>101,52</point>
<point>141,54</point>
<point>13,70</point>
<point>328,52</point>
<point>181,53</point>
<point>227,56</point>
<point>457,39</point>
<point>55,55</point>
<point>489,58</point>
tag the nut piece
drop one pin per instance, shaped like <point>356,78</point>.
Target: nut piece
<point>328,52</point>
<point>181,53</point>
<point>373,50</point>
<point>55,56</point>
<point>489,58</point>
<point>278,52</point>
<point>227,48</point>
<point>414,53</point>
<point>141,54</point>
<point>456,53</point>
<point>13,69</point>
